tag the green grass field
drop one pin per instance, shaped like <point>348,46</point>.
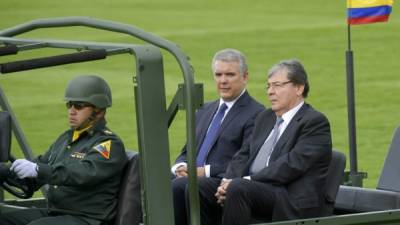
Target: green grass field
<point>313,31</point>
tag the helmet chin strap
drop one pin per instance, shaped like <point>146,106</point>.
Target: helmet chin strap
<point>89,121</point>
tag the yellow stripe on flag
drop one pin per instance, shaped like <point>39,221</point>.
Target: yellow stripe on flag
<point>367,3</point>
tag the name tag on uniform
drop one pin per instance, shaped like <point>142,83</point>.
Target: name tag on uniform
<point>78,155</point>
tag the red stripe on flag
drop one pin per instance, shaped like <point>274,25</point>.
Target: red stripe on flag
<point>368,19</point>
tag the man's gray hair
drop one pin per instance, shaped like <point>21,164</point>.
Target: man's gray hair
<point>295,73</point>
<point>230,55</point>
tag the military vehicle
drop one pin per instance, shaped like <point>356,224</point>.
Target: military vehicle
<point>145,195</point>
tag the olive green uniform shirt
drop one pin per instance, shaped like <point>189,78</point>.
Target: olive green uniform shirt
<point>84,175</point>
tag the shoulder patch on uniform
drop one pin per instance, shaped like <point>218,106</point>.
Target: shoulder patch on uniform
<point>104,148</point>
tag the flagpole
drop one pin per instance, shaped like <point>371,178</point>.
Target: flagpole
<point>359,12</point>
<point>354,177</point>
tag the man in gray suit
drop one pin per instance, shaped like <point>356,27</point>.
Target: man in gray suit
<point>281,173</point>
<point>222,127</point>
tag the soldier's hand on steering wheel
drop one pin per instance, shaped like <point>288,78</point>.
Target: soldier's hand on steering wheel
<point>24,168</point>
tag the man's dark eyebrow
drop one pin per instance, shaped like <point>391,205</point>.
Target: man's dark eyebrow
<point>229,73</point>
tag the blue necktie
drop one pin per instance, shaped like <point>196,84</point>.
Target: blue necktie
<point>210,136</point>
<point>266,149</point>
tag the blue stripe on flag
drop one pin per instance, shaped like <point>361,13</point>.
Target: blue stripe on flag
<point>370,11</point>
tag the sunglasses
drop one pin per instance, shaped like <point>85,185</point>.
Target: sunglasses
<point>78,105</point>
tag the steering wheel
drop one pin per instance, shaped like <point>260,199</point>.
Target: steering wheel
<point>21,188</point>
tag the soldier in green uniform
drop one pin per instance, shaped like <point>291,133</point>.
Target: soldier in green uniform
<point>83,167</point>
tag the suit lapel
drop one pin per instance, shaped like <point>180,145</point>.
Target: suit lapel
<point>233,112</point>
<point>289,132</point>
<point>208,115</point>
<point>268,126</point>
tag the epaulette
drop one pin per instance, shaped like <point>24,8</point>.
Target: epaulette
<point>107,132</point>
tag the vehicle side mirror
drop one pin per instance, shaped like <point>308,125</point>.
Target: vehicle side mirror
<point>5,136</point>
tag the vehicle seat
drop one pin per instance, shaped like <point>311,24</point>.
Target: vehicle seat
<point>386,196</point>
<point>129,210</point>
<point>334,179</point>
<point>5,136</point>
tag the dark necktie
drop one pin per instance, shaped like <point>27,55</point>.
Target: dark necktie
<point>266,149</point>
<point>210,136</point>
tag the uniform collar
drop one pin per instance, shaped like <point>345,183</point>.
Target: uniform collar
<point>90,130</point>
<point>77,133</point>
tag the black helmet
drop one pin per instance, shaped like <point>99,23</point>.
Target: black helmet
<point>91,89</point>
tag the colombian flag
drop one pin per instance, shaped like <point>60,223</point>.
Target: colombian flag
<point>368,11</point>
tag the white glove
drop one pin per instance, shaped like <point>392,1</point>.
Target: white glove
<point>24,168</point>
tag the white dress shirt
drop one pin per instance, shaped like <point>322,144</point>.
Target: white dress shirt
<point>287,117</point>
<point>229,105</point>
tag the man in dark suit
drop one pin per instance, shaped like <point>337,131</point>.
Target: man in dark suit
<point>222,126</point>
<point>281,173</point>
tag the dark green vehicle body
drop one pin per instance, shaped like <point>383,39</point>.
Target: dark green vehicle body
<point>153,118</point>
